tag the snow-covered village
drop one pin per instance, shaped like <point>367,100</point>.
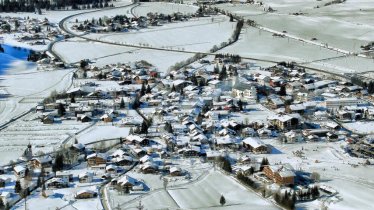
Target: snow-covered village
<point>186,104</point>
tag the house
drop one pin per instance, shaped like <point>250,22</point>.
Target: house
<point>280,174</point>
<point>85,177</point>
<point>96,159</point>
<point>244,91</point>
<point>292,137</point>
<point>127,183</point>
<point>137,140</point>
<point>332,103</point>
<point>85,194</point>
<point>42,162</point>
<point>57,183</point>
<point>48,119</point>
<point>284,122</point>
<point>175,171</point>
<point>111,169</point>
<point>255,145</point>
<point>106,118</point>
<point>149,168</point>
<point>65,176</point>
<point>20,171</point>
<point>3,181</point>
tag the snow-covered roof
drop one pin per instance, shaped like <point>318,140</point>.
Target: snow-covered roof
<point>254,142</point>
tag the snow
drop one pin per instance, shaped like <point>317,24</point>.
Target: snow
<point>182,35</point>
<point>97,133</point>
<point>360,127</point>
<point>103,54</point>
<point>206,193</point>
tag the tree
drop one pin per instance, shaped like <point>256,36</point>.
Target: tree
<point>59,163</point>
<point>17,187</point>
<point>72,99</point>
<point>222,200</point>
<point>231,18</point>
<point>240,105</point>
<point>168,128</point>
<point>142,91</point>
<point>173,88</point>
<point>83,64</point>
<point>144,128</point>
<point>282,91</point>
<point>61,110</point>
<point>149,90</point>
<point>122,104</point>
<point>226,165</point>
<point>264,162</point>
<point>216,69</point>
<point>223,73</point>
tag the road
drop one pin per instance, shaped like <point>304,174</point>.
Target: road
<point>64,28</point>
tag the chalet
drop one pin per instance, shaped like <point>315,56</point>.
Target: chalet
<point>41,162</point>
<point>149,168</point>
<point>244,91</point>
<point>85,194</point>
<point>296,108</point>
<point>48,119</point>
<point>280,174</point>
<point>111,169</point>
<point>86,177</point>
<point>284,122</point>
<point>255,145</point>
<point>175,171</point>
<point>96,159</point>
<point>20,171</point>
<point>65,176</point>
<point>137,140</point>
<point>106,118</point>
<point>275,102</point>
<point>293,86</point>
<point>57,183</point>
<point>292,137</point>
<point>127,183</point>
<point>122,160</point>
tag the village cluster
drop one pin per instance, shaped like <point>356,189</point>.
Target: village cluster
<point>216,112</point>
<point>128,133</point>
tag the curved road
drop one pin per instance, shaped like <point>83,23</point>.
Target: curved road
<point>63,27</point>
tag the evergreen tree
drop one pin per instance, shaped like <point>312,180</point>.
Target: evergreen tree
<point>222,200</point>
<point>148,89</point>
<point>226,165</point>
<point>61,110</point>
<point>173,88</point>
<point>142,90</point>
<point>122,104</point>
<point>17,187</point>
<point>59,163</point>
<point>72,99</point>
<point>240,105</point>
<point>264,162</point>
<point>144,128</point>
<point>223,73</point>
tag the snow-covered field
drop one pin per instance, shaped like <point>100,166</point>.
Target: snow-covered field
<point>205,194</point>
<point>182,35</point>
<point>354,184</point>
<point>163,7</point>
<point>23,90</point>
<point>103,54</point>
<point>360,127</point>
<point>98,133</point>
<point>64,198</point>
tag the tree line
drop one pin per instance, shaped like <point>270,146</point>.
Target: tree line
<point>368,85</point>
<point>37,5</point>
